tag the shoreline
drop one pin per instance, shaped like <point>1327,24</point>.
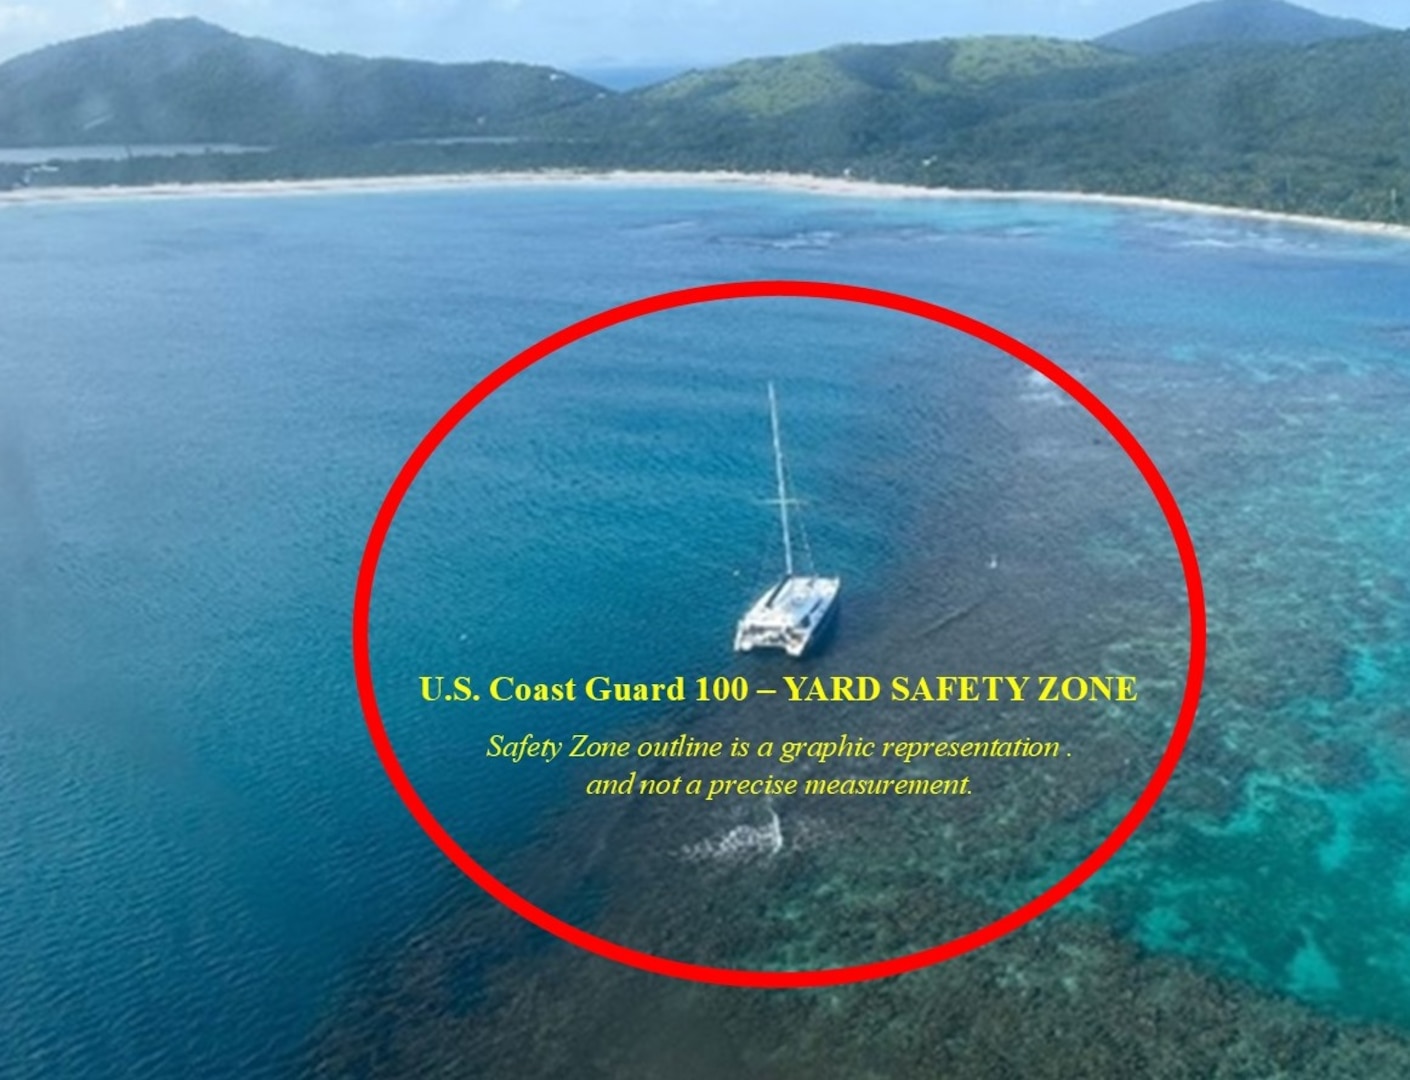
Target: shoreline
<point>794,182</point>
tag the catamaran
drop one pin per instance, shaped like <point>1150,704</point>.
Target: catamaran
<point>793,612</point>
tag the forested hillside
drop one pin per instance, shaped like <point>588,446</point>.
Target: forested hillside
<point>1320,127</point>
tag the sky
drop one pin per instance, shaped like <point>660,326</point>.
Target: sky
<point>603,33</point>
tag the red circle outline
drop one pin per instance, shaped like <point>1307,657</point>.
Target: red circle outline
<point>807,977</point>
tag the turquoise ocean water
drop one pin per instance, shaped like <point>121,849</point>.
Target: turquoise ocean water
<point>202,402</point>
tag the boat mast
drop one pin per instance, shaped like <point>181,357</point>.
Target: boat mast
<point>782,487</point>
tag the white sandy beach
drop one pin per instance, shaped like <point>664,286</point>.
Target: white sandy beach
<point>622,178</point>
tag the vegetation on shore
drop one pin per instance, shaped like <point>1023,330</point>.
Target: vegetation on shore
<point>1316,128</point>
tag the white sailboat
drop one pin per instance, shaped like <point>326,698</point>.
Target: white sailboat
<point>794,611</point>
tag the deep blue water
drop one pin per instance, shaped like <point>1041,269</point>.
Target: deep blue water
<point>204,401</point>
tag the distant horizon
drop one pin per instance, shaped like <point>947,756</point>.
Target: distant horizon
<point>609,35</point>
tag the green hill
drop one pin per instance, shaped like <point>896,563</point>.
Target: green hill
<point>849,107</point>
<point>183,80</point>
<point>1233,22</point>
<point>1320,128</point>
<point>955,67</point>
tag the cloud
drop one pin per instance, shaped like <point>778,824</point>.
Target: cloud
<point>17,18</point>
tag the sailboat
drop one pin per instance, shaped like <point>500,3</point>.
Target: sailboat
<point>794,611</point>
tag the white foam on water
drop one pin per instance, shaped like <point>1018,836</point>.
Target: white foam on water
<point>740,842</point>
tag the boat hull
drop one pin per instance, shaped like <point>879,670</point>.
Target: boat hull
<point>791,616</point>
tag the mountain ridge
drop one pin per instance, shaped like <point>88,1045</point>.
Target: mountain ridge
<point>1315,128</point>
<point>1233,22</point>
<point>186,80</point>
